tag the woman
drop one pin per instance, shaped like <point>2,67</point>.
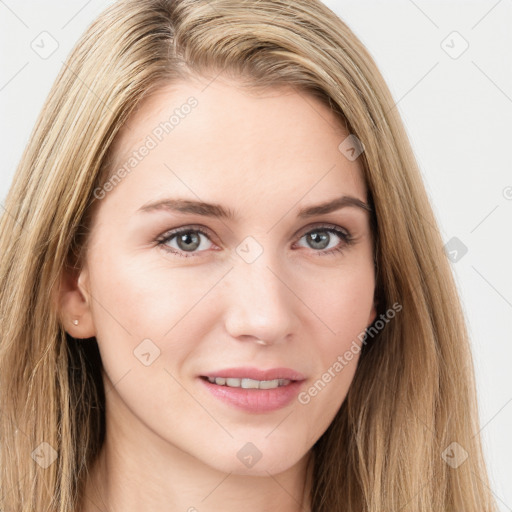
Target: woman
<point>222,281</point>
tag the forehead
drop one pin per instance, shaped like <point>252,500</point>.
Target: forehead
<point>218,138</point>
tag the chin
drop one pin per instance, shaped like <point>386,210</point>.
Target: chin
<point>257,460</point>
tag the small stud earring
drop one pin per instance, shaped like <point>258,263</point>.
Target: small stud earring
<point>75,322</point>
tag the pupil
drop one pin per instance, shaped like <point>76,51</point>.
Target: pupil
<point>185,237</point>
<point>316,239</point>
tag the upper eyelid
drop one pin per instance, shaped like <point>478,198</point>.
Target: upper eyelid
<point>176,231</point>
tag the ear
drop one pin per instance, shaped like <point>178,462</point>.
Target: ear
<point>74,303</point>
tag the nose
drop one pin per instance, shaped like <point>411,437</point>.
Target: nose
<point>260,306</point>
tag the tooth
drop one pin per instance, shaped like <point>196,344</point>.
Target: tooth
<point>247,383</point>
<point>269,384</point>
<point>250,384</point>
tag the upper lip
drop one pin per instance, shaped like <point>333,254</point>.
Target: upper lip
<point>256,373</point>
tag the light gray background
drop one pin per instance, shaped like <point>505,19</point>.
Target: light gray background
<point>458,113</point>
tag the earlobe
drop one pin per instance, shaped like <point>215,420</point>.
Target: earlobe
<point>74,304</point>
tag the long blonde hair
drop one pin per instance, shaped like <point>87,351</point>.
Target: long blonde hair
<point>413,394</point>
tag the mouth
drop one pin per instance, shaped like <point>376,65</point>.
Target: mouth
<point>254,390</point>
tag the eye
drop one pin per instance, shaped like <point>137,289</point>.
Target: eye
<point>189,240</point>
<point>321,238</point>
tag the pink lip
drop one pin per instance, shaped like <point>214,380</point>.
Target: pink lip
<point>256,400</point>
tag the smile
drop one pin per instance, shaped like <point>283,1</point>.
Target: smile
<point>246,383</point>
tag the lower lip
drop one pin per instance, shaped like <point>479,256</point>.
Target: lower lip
<point>255,400</point>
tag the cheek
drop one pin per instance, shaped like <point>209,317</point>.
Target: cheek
<point>146,319</point>
<point>146,313</point>
<point>321,399</point>
<point>144,296</point>
<point>324,393</point>
<point>342,304</point>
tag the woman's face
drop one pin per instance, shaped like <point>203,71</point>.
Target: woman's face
<point>169,309</point>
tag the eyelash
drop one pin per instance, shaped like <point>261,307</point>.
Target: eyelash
<point>345,236</point>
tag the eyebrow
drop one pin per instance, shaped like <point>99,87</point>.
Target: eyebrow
<point>216,210</point>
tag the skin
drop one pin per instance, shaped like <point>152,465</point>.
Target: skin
<point>171,445</point>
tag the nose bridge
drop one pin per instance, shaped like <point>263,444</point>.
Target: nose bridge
<point>260,305</point>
